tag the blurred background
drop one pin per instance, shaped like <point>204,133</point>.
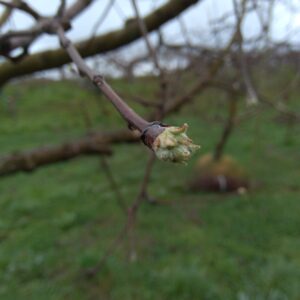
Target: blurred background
<point>87,212</point>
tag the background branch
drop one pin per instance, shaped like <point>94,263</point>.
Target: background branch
<point>55,58</point>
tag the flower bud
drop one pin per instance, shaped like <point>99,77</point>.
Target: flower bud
<point>174,145</point>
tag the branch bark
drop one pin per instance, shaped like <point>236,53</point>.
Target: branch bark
<point>228,127</point>
<point>30,160</point>
<point>23,39</point>
<point>132,118</point>
<point>55,58</point>
<point>7,13</point>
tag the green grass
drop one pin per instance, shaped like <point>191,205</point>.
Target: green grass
<point>59,220</point>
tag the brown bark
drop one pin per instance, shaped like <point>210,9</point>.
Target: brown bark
<point>130,116</point>
<point>95,144</point>
<point>22,39</point>
<point>6,14</point>
<point>228,127</point>
<point>103,43</point>
<point>203,82</point>
<point>28,161</point>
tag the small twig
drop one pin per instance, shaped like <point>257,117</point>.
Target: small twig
<point>99,22</point>
<point>144,32</point>
<point>132,118</point>
<point>23,6</point>
<point>129,225</point>
<point>119,11</point>
<point>133,210</point>
<point>184,31</point>
<point>253,98</point>
<point>114,186</point>
<point>163,84</point>
<point>204,80</point>
<point>143,188</point>
<point>61,9</point>
<point>24,38</point>
<point>162,76</point>
<point>229,125</point>
<point>101,19</point>
<point>145,102</point>
<point>92,272</point>
<point>6,14</point>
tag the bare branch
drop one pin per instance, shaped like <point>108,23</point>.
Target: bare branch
<point>56,58</point>
<point>94,144</point>
<point>114,186</point>
<point>144,32</point>
<point>252,94</point>
<point>61,9</point>
<point>7,13</point>
<point>28,161</point>
<point>77,8</point>
<point>23,6</point>
<point>24,38</point>
<point>102,17</point>
<point>126,112</point>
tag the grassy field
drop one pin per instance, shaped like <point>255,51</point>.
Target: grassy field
<point>59,220</point>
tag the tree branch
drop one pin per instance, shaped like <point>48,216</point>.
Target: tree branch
<point>23,6</point>
<point>7,13</point>
<point>132,118</point>
<point>28,161</point>
<point>56,58</point>
<point>24,38</point>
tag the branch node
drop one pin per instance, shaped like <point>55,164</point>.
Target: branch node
<point>151,132</point>
<point>98,80</point>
